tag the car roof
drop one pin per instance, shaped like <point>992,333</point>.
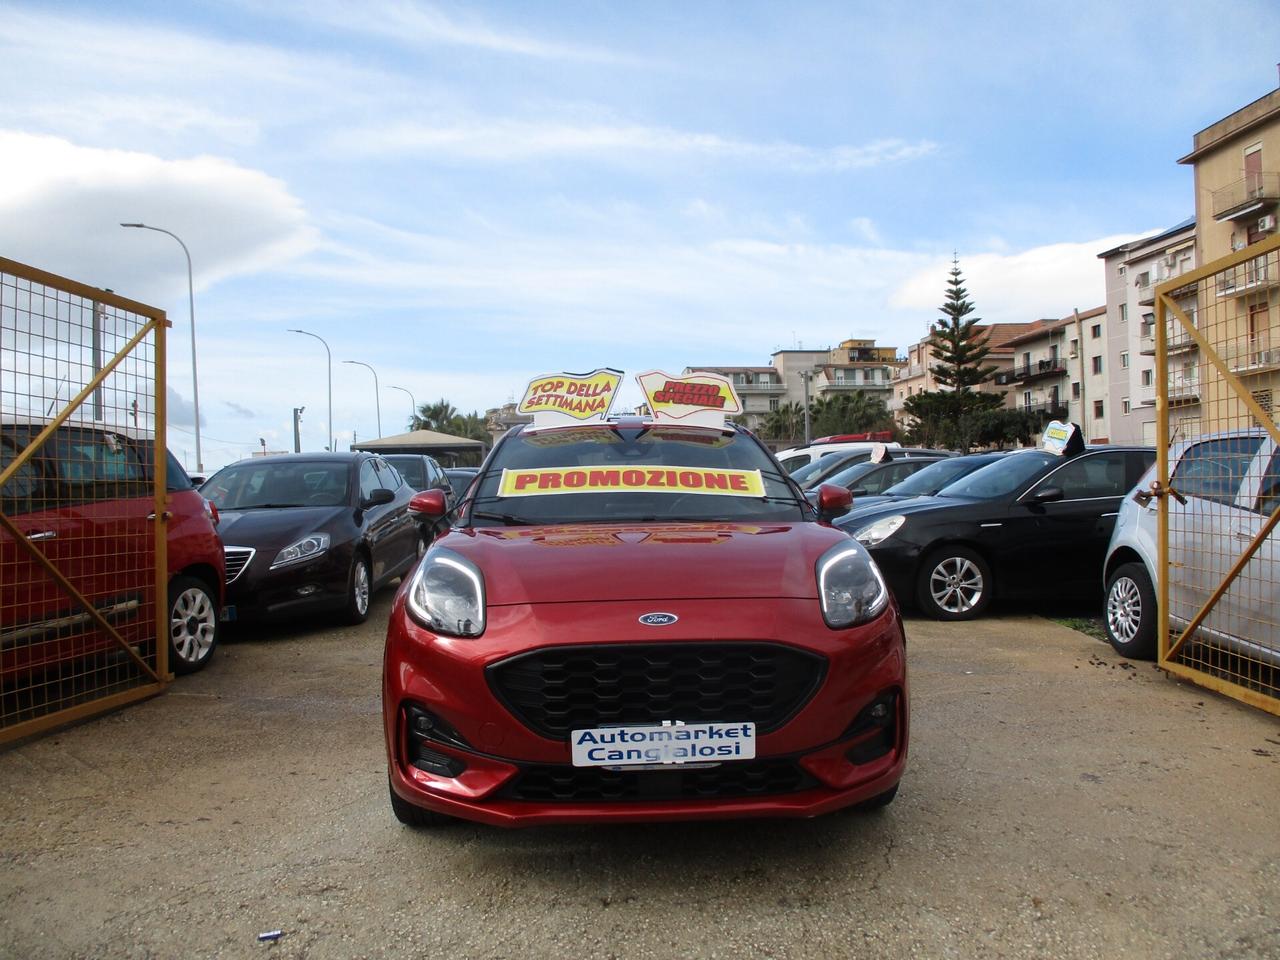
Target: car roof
<point>322,456</point>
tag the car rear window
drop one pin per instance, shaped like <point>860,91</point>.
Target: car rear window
<point>608,473</point>
<point>248,486</point>
<point>1004,477</point>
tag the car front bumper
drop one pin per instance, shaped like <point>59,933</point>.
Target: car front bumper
<point>488,765</point>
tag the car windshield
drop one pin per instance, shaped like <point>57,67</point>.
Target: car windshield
<point>1000,479</point>
<point>249,485</point>
<point>935,477</point>
<point>608,473</point>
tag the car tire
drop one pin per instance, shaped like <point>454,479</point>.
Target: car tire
<point>1131,611</point>
<point>193,624</point>
<point>359,590</point>
<point>955,583</point>
<point>879,801</point>
<point>414,816</point>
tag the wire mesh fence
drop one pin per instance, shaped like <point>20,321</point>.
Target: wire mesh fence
<point>1219,345</point>
<point>81,486</point>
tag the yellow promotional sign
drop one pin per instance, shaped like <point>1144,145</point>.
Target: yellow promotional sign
<point>542,481</point>
<point>704,398</point>
<point>580,397</point>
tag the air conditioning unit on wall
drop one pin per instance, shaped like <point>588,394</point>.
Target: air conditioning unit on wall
<point>1267,224</point>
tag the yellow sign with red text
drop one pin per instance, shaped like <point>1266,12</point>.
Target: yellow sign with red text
<point>542,481</point>
<point>704,398</point>
<point>581,397</point>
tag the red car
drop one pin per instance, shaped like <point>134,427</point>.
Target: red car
<point>634,621</point>
<point>86,499</point>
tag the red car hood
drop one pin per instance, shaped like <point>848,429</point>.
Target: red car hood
<point>645,561</point>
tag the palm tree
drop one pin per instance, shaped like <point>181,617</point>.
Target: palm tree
<point>437,416</point>
<point>785,423</point>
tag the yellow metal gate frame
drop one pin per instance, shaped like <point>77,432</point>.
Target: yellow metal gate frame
<point>156,678</point>
<point>1204,280</point>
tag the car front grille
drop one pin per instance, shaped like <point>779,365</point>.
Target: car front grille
<point>237,560</point>
<point>557,690</point>
<point>565,784</point>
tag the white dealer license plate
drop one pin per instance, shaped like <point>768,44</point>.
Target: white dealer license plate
<point>634,746</point>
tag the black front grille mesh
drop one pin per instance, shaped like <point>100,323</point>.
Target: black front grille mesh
<point>556,690</point>
<point>760,778</point>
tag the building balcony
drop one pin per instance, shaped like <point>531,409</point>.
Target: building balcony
<point>851,386</point>
<point>1260,273</point>
<point>1247,197</point>
<point>1049,367</point>
<point>1184,390</point>
<point>744,388</point>
<point>1050,409</point>
<point>1253,357</point>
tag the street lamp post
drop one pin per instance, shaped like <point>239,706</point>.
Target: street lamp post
<point>191,294</point>
<point>806,375</point>
<point>332,442</point>
<point>413,404</point>
<point>376,390</point>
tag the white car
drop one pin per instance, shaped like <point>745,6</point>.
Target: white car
<point>793,458</point>
<point>1231,484</point>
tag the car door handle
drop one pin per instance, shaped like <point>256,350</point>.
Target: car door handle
<point>1242,535</point>
<point>42,534</point>
<point>1113,513</point>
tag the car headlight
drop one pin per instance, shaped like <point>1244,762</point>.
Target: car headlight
<point>308,548</point>
<point>447,594</point>
<point>879,531</point>
<point>850,586</point>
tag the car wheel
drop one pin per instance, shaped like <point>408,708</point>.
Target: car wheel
<point>879,801</point>
<point>955,584</point>
<point>414,816</point>
<point>359,590</point>
<point>1131,612</point>
<point>193,624</point>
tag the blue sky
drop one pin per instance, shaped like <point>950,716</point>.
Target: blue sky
<point>465,196</point>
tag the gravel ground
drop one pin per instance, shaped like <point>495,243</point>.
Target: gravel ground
<point>1059,803</point>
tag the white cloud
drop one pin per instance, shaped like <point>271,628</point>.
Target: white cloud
<point>421,25</point>
<point>102,116</point>
<point>865,228</point>
<point>506,141</point>
<point>61,206</point>
<point>1046,281</point>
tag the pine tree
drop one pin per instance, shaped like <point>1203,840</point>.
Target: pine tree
<point>956,344</point>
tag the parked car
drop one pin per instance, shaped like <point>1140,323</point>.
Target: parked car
<point>1231,484</point>
<point>931,479</point>
<point>312,532</point>
<point>828,468</point>
<point>1033,524</point>
<point>597,617</point>
<point>868,478</point>
<point>460,478</point>
<point>794,458</point>
<point>421,472</point>
<point>87,499</point>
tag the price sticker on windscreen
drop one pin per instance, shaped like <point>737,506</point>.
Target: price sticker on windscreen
<point>716,481</point>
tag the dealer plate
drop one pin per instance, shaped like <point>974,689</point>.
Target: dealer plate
<point>663,744</point>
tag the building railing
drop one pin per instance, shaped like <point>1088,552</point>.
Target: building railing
<point>855,385</point>
<point>1183,388</point>
<point>760,387</point>
<point>1040,368</point>
<point>1254,355</point>
<point>1252,275</point>
<point>1254,187</point>
<point>1053,409</point>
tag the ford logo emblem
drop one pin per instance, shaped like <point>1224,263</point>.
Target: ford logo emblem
<point>658,619</point>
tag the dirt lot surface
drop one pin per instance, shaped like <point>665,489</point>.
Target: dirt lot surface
<point>1059,803</point>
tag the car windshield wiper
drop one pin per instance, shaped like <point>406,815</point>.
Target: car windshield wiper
<point>264,506</point>
<point>509,519</point>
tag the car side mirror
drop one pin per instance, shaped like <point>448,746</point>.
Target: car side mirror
<point>833,501</point>
<point>377,498</point>
<point>1046,495</point>
<point>429,504</point>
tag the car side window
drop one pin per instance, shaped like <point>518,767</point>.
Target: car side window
<point>388,476</point>
<point>1269,492</point>
<point>21,492</point>
<point>368,480</point>
<point>1090,477</point>
<point>1214,469</point>
<point>94,466</point>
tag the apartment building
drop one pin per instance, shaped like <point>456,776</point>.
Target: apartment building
<point>795,376</point>
<point>1059,372</point>
<point>1133,270</point>
<point>1237,188</point>
<point>915,373</point>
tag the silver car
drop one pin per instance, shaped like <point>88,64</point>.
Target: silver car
<point>1231,485</point>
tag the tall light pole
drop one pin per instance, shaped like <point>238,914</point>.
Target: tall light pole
<point>413,404</point>
<point>332,442</point>
<point>191,293</point>
<point>376,390</point>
